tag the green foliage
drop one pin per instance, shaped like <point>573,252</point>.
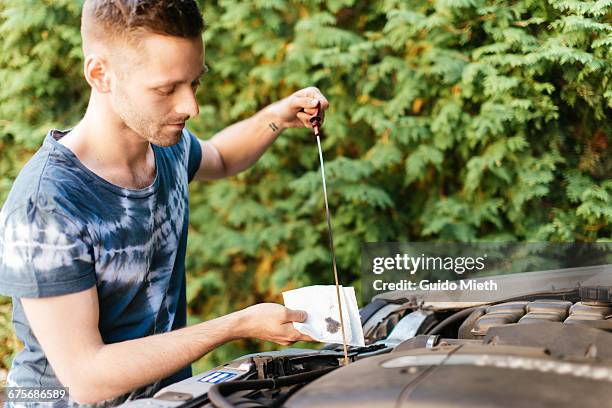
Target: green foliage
<point>450,120</point>
<point>8,340</point>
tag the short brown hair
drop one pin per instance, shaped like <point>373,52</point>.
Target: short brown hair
<point>107,19</point>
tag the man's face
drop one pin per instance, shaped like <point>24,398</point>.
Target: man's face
<point>154,88</point>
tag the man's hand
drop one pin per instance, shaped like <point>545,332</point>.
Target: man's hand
<point>273,322</point>
<point>297,109</point>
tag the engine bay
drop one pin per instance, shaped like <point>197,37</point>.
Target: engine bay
<point>550,348</point>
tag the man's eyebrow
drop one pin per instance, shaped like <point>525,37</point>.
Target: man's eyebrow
<point>204,71</point>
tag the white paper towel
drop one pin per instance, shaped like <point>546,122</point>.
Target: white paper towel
<point>323,322</point>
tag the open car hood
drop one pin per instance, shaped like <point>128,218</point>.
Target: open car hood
<point>546,341</point>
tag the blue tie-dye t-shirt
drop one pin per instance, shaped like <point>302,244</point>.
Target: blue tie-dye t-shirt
<point>63,229</point>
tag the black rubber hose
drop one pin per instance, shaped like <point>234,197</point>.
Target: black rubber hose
<point>462,314</point>
<point>217,393</point>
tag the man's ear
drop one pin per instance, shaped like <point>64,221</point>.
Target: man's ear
<point>97,73</point>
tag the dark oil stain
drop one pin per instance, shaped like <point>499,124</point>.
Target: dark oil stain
<point>332,325</point>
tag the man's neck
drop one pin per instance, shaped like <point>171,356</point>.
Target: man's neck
<point>111,150</point>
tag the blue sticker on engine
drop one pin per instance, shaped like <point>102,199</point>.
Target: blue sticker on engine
<point>217,377</point>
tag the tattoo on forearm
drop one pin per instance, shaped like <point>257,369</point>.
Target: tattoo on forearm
<point>273,126</point>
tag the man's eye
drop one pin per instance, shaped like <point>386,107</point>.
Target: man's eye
<point>165,91</point>
<point>195,84</point>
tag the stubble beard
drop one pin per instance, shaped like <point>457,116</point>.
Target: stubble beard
<point>147,128</point>
<point>165,138</point>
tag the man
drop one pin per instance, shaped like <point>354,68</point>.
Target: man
<point>93,233</point>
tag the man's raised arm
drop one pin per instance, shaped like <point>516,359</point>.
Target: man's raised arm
<point>240,145</point>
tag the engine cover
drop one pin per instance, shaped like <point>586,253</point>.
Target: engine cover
<point>463,376</point>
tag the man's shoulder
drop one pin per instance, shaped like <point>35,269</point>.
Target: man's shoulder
<point>46,180</point>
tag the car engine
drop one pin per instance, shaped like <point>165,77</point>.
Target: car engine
<point>551,347</point>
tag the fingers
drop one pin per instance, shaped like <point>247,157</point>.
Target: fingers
<point>292,335</point>
<point>295,339</point>
<point>313,93</point>
<point>304,118</point>
<point>306,114</point>
<point>310,111</point>
<point>305,102</point>
<point>305,337</point>
<point>296,316</point>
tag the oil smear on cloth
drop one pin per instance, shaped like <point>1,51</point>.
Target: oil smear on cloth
<point>323,322</point>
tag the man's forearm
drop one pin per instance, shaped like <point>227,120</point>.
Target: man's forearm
<point>118,368</point>
<point>242,144</point>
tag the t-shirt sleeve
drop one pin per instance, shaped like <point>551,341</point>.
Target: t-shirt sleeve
<point>194,155</point>
<point>44,253</point>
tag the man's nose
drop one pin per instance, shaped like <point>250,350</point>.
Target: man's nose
<point>188,104</point>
